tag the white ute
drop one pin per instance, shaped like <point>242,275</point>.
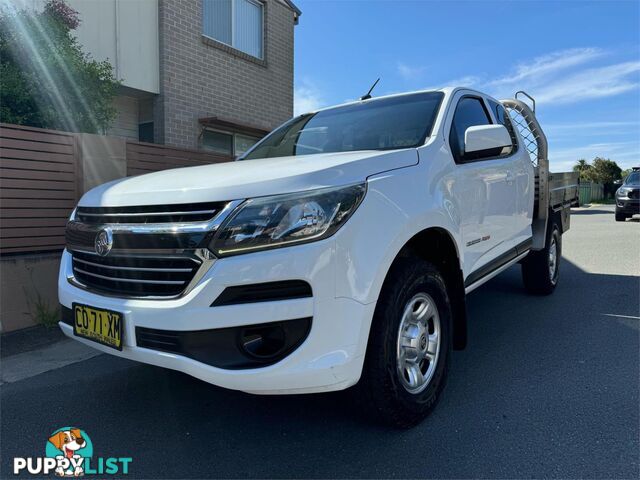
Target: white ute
<point>338,251</point>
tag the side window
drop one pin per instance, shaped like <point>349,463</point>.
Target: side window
<point>469,112</point>
<point>503,117</point>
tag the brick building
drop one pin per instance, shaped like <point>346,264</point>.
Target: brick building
<point>208,74</point>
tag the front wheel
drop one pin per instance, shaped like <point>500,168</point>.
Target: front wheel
<point>620,217</point>
<point>409,345</point>
<point>541,268</point>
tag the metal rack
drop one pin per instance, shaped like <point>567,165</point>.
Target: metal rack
<point>535,141</point>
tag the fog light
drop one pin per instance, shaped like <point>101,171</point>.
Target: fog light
<point>263,342</point>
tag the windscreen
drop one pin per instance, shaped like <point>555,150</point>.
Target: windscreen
<point>385,124</point>
<point>633,178</point>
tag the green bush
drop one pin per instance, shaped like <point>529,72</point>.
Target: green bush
<point>45,79</point>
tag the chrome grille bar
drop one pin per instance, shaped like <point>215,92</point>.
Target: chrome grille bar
<point>130,280</point>
<point>135,269</point>
<point>78,224</point>
<point>136,276</point>
<point>148,214</point>
<point>177,213</point>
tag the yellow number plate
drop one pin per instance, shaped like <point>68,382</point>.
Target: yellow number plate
<point>102,326</point>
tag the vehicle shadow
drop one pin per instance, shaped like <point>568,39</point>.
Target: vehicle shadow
<point>545,378</point>
<point>591,211</point>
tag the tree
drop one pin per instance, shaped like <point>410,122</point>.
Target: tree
<point>601,170</point>
<point>582,167</point>
<point>45,79</point>
<point>604,170</point>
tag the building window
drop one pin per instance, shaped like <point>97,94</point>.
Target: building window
<point>145,132</point>
<point>217,142</point>
<point>243,143</point>
<point>231,144</point>
<point>238,23</point>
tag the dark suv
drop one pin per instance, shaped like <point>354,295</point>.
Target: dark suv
<point>628,197</point>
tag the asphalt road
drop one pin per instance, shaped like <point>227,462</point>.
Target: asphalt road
<point>548,387</point>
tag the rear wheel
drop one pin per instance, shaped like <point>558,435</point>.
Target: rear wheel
<point>409,345</point>
<point>541,268</point>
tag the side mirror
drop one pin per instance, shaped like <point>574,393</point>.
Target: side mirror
<point>486,138</point>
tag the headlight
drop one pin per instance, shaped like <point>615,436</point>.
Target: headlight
<point>280,220</point>
<point>623,191</point>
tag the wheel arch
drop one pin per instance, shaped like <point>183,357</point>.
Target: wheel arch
<point>561,217</point>
<point>437,246</point>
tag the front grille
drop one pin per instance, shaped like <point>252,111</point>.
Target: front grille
<point>179,213</point>
<point>634,194</point>
<point>137,276</point>
<point>80,237</point>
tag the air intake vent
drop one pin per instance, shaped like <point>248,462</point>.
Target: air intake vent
<point>181,213</point>
<point>263,292</point>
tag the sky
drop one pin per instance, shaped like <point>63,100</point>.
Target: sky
<point>580,60</point>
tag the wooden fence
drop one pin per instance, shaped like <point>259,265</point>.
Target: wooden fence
<point>41,180</point>
<point>39,174</point>
<point>149,157</point>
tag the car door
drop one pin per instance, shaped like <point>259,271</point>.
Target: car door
<point>484,188</point>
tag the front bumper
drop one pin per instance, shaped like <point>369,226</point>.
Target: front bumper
<point>330,357</point>
<point>628,205</point>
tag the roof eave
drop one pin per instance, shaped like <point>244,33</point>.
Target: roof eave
<point>296,11</point>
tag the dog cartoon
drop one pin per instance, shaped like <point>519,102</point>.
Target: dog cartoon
<point>69,441</point>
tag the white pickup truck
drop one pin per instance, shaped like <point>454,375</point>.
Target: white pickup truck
<point>338,251</point>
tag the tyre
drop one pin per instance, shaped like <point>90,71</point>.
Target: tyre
<point>409,347</point>
<point>541,268</point>
<point>620,217</point>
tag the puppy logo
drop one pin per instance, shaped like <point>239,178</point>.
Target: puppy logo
<point>70,446</point>
<point>69,453</point>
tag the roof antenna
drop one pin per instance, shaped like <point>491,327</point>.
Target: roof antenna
<point>368,95</point>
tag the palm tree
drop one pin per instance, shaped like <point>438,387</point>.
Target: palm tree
<point>582,167</point>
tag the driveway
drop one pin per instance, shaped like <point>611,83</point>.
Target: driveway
<point>548,387</point>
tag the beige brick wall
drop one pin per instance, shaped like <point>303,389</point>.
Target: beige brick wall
<point>27,281</point>
<point>126,122</point>
<point>201,78</point>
